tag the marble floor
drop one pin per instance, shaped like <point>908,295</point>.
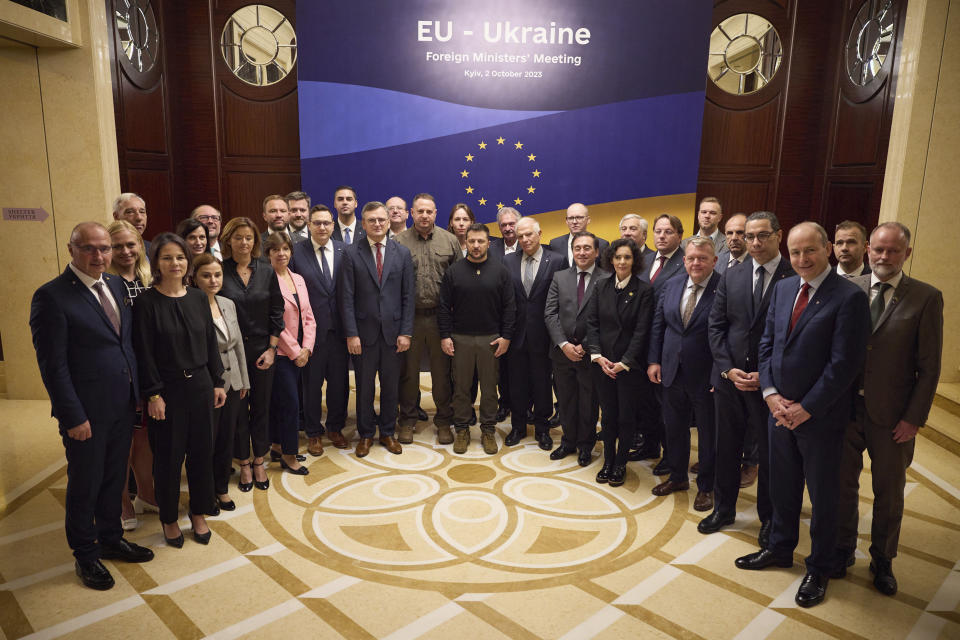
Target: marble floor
<point>430,544</point>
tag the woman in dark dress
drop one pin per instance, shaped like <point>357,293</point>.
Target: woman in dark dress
<point>197,238</point>
<point>253,287</point>
<point>619,314</point>
<point>181,376</point>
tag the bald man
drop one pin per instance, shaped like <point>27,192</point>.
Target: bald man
<point>577,219</point>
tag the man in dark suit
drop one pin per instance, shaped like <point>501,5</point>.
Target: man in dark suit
<point>507,219</point>
<point>531,271</point>
<point>577,220</point>
<point>736,250</point>
<point>346,229</point>
<point>709,216</point>
<point>566,319</point>
<point>668,259</point>
<point>737,320</point>
<point>634,227</point>
<point>133,209</point>
<point>82,326</point>
<point>850,248</point>
<point>898,385</point>
<point>276,215</point>
<point>320,262</point>
<point>298,225</point>
<point>679,359</point>
<point>811,352</point>
<point>377,301</point>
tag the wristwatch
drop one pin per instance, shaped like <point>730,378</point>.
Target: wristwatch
<point>723,374</point>
<point>154,397</point>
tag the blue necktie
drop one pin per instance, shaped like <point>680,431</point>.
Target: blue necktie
<point>324,265</point>
<point>346,235</point>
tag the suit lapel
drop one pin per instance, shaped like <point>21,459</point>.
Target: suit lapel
<point>813,307</point>
<point>92,300</point>
<point>898,294</point>
<point>705,301</point>
<point>779,274</point>
<point>366,257</point>
<point>287,294</point>
<point>587,290</point>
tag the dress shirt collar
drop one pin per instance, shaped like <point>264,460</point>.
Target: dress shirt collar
<point>87,281</point>
<point>589,270</point>
<point>817,281</point>
<point>536,257</point>
<point>352,227</point>
<point>667,255</point>
<point>843,272</point>
<point>317,246</point>
<point>893,282</point>
<point>510,248</point>
<point>621,284</point>
<point>373,244</point>
<point>770,266</point>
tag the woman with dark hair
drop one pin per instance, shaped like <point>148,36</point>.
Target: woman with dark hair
<point>618,326</point>
<point>181,375</point>
<point>296,346</point>
<point>461,217</point>
<point>208,277</point>
<point>253,287</point>
<point>197,238</point>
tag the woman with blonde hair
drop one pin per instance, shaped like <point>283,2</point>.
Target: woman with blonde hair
<point>129,261</point>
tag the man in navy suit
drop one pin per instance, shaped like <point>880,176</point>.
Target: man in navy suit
<point>377,301</point>
<point>577,220</point>
<point>507,220</point>
<point>736,324</point>
<point>850,248</point>
<point>634,227</point>
<point>320,262</point>
<point>346,229</point>
<point>679,359</point>
<point>531,271</point>
<point>812,350</point>
<point>82,325</point>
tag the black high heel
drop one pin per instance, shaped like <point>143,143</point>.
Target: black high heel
<point>173,542</point>
<point>262,485</point>
<point>277,456</point>
<point>202,538</point>
<point>244,486</point>
<point>299,471</point>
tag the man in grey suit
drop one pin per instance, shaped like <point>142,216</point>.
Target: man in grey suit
<point>736,251</point>
<point>577,220</point>
<point>377,300</point>
<point>709,215</point>
<point>899,382</point>
<point>565,315</point>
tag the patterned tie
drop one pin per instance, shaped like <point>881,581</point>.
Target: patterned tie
<point>879,303</point>
<point>691,304</point>
<point>379,246</point>
<point>758,289</point>
<point>528,274</point>
<point>581,287</point>
<point>800,305</point>
<point>107,307</point>
<point>732,262</point>
<point>663,260</point>
<point>324,265</point>
<point>346,235</point>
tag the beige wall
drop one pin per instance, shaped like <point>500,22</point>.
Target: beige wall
<point>922,183</point>
<point>59,154</point>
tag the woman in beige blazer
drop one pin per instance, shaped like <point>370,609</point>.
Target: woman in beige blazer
<point>208,276</point>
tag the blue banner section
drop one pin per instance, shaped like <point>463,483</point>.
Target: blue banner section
<point>597,154</point>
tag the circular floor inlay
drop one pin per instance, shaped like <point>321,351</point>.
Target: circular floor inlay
<point>472,473</point>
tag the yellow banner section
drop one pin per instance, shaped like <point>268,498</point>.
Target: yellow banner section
<point>605,216</point>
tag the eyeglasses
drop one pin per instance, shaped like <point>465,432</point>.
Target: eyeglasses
<point>322,223</point>
<point>576,218</point>
<point>90,249</point>
<point>763,236</point>
<point>208,218</point>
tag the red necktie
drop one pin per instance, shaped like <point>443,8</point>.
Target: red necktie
<point>379,261</point>
<point>656,273</point>
<point>801,304</point>
<point>581,287</point>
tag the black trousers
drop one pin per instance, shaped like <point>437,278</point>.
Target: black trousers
<point>685,402</point>
<point>327,364</point>
<point>650,413</point>
<point>254,424</point>
<point>185,433</point>
<point>96,475</point>
<point>579,406</point>
<point>530,384</point>
<point>618,404</point>
<point>285,405</point>
<point>224,426</point>
<point>377,358</point>
<point>738,413</point>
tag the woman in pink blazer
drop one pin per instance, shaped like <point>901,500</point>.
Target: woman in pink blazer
<point>293,351</point>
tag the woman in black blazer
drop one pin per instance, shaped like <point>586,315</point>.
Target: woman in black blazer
<point>618,326</point>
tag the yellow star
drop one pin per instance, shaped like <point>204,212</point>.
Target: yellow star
<point>469,189</point>
<point>531,157</point>
<point>500,140</point>
<point>499,206</point>
<point>530,189</point>
<point>482,201</point>
<point>469,157</point>
<point>536,173</point>
<point>517,201</point>
<point>518,145</point>
<point>482,145</point>
<point>464,173</point>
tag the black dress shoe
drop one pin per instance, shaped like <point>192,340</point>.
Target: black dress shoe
<point>561,452</point>
<point>299,471</point>
<point>763,559</point>
<point>473,417</point>
<point>714,522</point>
<point>603,476</point>
<point>617,475</point>
<point>421,415</point>
<point>502,414</point>
<point>244,486</point>
<point>584,457</point>
<point>812,590</point>
<point>125,551</point>
<point>644,453</point>
<point>763,538</point>
<point>883,578</point>
<point>514,437</point>
<point>277,456</point>
<point>176,543</point>
<point>229,505</point>
<point>545,441</point>
<point>202,538</point>
<point>662,468</point>
<point>93,574</point>
<point>263,485</point>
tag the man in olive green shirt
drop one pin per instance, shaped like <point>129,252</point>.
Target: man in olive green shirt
<point>433,250</point>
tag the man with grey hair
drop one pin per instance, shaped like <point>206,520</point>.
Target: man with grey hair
<point>298,207</point>
<point>577,219</point>
<point>531,271</point>
<point>507,219</point>
<point>897,388</point>
<point>211,219</point>
<point>397,211</point>
<point>634,227</point>
<point>133,209</point>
